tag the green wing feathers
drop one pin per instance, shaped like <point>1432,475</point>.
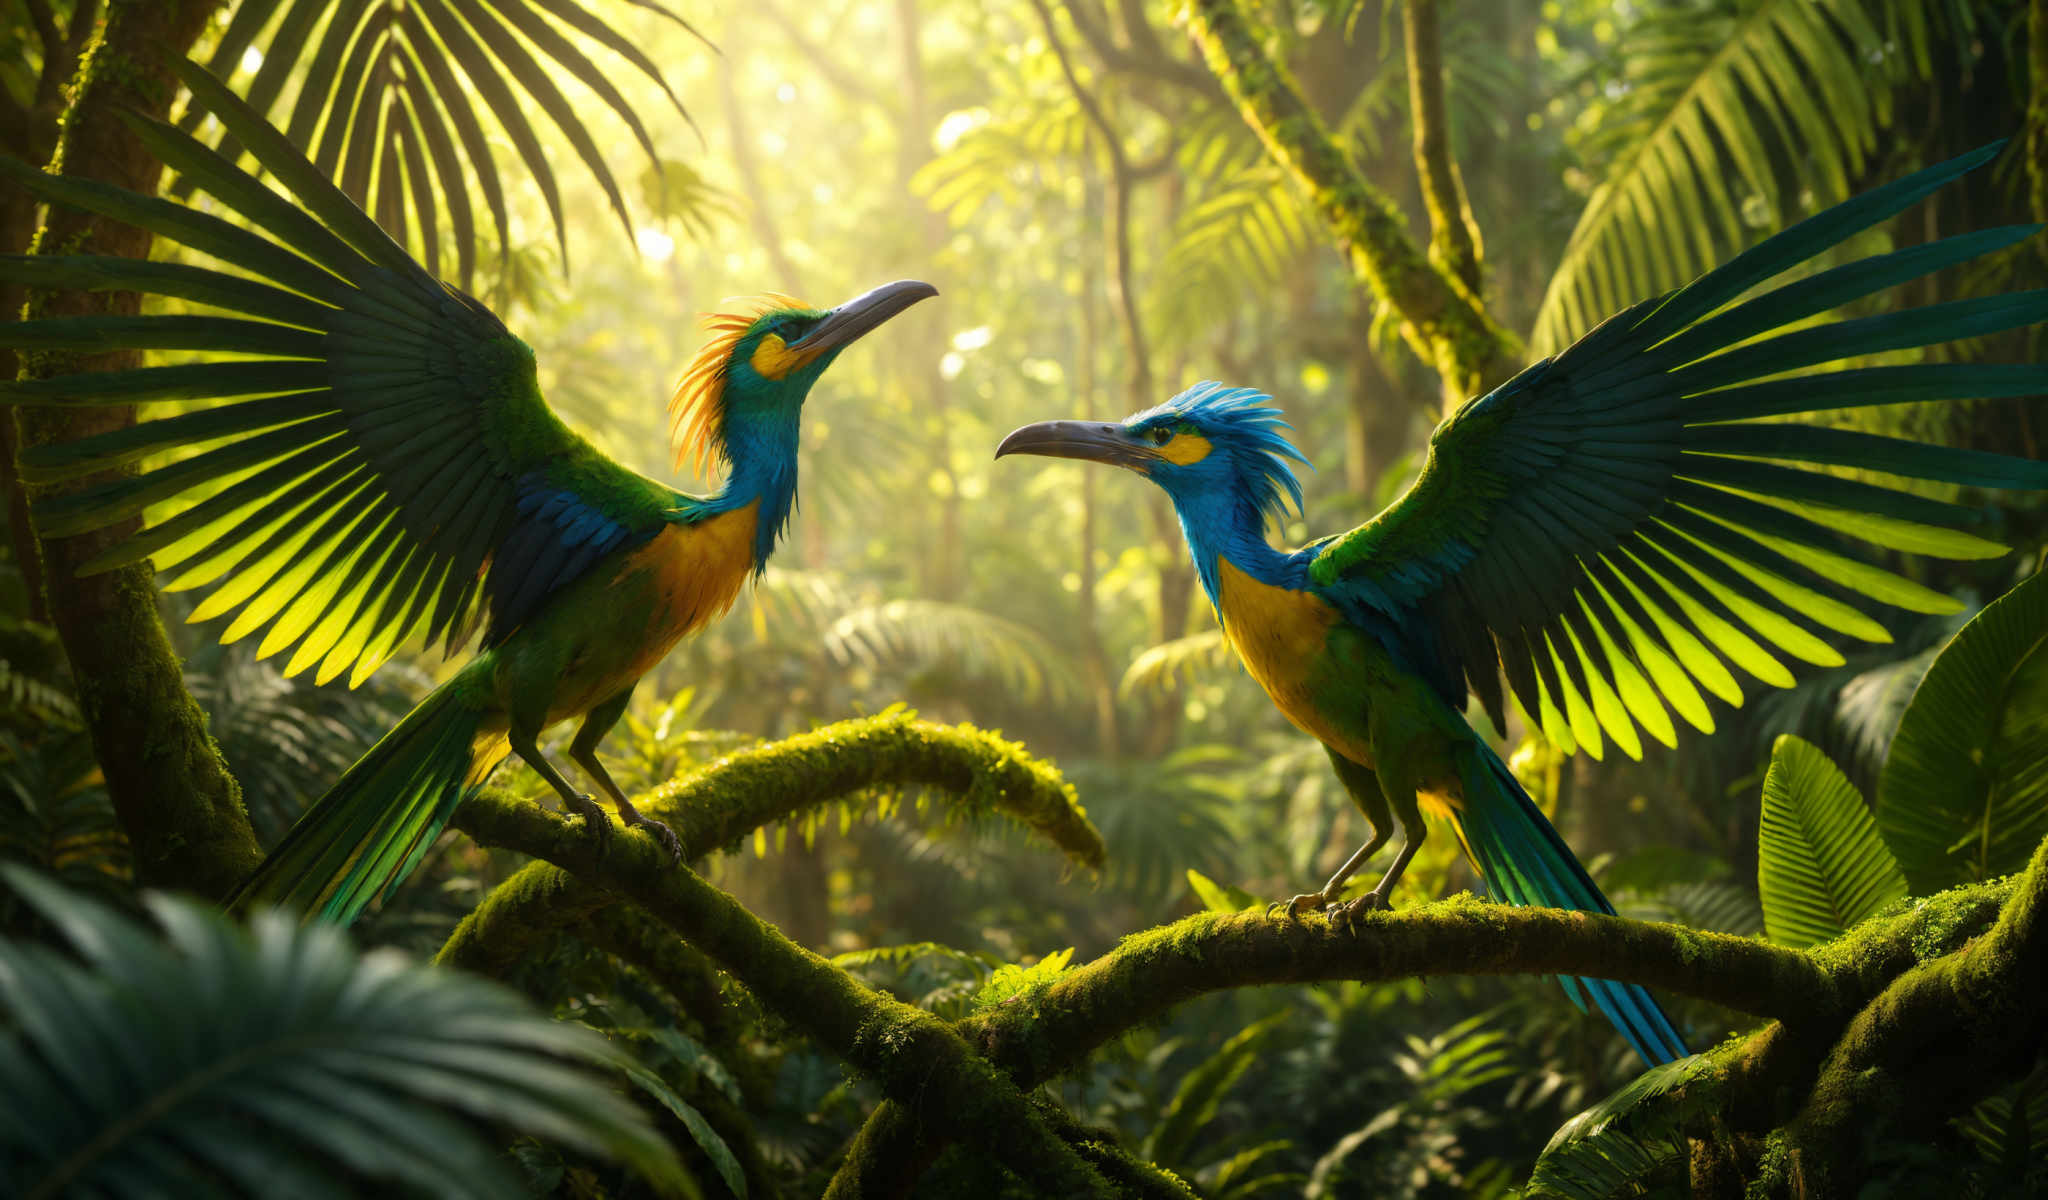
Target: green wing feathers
<point>1625,526</point>
<point>360,457</point>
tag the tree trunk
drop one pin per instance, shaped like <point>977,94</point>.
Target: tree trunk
<point>181,809</point>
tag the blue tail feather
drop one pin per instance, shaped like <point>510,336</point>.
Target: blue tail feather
<point>1524,862</point>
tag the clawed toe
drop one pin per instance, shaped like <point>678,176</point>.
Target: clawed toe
<point>666,836</point>
<point>595,822</point>
<point>1348,914</point>
<point>661,833</point>
<point>1310,902</point>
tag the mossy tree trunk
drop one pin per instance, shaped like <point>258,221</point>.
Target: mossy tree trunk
<point>177,803</point>
<point>1443,318</point>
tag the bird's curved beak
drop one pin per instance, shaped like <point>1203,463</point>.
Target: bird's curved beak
<point>1091,441</point>
<point>860,315</point>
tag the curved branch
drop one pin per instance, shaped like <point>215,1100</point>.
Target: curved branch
<point>1049,1032</point>
<point>739,793</point>
<point>915,1057</point>
<point>1938,1038</point>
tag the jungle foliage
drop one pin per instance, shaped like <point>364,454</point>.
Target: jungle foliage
<point>873,978</point>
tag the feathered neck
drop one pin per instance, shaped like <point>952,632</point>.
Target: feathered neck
<point>1228,525</point>
<point>760,453</point>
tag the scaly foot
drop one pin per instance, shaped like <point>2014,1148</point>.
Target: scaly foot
<point>1310,902</point>
<point>595,822</point>
<point>1348,914</point>
<point>634,818</point>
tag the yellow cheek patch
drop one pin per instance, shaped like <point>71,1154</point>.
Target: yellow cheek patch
<point>773,358</point>
<point>1186,448</point>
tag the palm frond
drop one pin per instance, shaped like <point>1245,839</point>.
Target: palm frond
<point>1236,244</point>
<point>206,1059</point>
<point>1183,660</point>
<point>1722,104</point>
<point>385,92</point>
<point>918,635</point>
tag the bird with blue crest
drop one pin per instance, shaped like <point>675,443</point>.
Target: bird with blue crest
<point>1616,530</point>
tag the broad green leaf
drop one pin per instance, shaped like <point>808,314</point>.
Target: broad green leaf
<point>1964,792</point>
<point>1821,867</point>
<point>1220,897</point>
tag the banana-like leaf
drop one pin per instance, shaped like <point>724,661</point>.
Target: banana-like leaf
<point>385,92</point>
<point>1720,99</point>
<point>204,1059</point>
<point>1821,867</point>
<point>1964,793</point>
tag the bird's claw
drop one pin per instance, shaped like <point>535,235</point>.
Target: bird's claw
<point>1347,914</point>
<point>1308,902</point>
<point>661,833</point>
<point>595,822</point>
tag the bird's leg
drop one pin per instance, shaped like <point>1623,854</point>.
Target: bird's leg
<point>1413,831</point>
<point>584,751</point>
<point>524,743</point>
<point>1364,787</point>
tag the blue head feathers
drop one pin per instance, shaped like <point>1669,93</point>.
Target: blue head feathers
<point>1239,424</point>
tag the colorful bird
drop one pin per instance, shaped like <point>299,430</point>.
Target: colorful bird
<point>1610,529</point>
<point>384,466</point>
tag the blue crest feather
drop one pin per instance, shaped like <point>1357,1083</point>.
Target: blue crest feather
<point>1245,423</point>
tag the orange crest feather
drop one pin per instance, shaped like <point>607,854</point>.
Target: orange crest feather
<point>696,412</point>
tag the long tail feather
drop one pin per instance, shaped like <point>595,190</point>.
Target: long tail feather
<point>1524,862</point>
<point>362,838</point>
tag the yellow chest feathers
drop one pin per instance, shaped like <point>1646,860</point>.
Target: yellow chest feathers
<point>693,573</point>
<point>1280,634</point>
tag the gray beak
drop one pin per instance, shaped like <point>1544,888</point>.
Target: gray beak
<point>847,323</point>
<point>1090,441</point>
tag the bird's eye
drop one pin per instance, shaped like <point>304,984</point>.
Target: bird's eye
<point>1159,434</point>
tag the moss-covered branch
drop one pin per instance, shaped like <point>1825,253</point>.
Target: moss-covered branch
<point>181,810</point>
<point>1453,233</point>
<point>1813,993</point>
<point>913,1056</point>
<point>976,771</point>
<point>1442,319</point>
<point>1938,1038</point>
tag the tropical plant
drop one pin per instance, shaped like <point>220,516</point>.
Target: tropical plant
<point>1784,97</point>
<point>1822,868</point>
<point>200,1058</point>
<point>1964,793</point>
<point>384,98</point>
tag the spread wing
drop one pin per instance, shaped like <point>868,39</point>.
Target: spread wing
<point>372,457</point>
<point>1619,525</point>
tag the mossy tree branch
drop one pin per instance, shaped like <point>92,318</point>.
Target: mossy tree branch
<point>1442,318</point>
<point>1813,994</point>
<point>977,771</point>
<point>912,1055</point>
<point>177,803</point>
<point>1454,244</point>
<point>1939,1038</point>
